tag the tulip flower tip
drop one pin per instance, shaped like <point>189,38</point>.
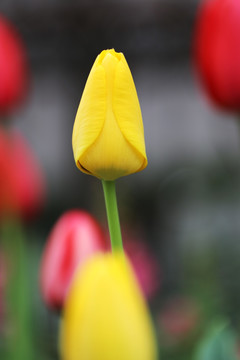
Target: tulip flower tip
<point>108,135</point>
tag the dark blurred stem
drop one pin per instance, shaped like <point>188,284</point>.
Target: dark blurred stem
<point>18,302</point>
<point>112,215</point>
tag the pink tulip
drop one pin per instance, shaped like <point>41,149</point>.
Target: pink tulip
<point>145,266</point>
<point>14,73</point>
<point>74,238</point>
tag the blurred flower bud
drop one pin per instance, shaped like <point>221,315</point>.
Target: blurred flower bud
<point>22,187</point>
<point>29,183</point>
<point>7,191</point>
<point>108,135</point>
<point>178,320</point>
<point>145,266</point>
<point>105,316</point>
<point>14,75</point>
<point>74,238</point>
<point>217,51</point>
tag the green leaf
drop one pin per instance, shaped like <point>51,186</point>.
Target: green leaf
<point>219,343</point>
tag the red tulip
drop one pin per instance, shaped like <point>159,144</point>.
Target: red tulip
<point>75,237</point>
<point>7,197</point>
<point>14,74</point>
<point>22,186</point>
<point>217,51</point>
<point>29,184</point>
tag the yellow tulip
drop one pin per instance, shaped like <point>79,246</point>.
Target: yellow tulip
<point>108,136</point>
<point>105,316</point>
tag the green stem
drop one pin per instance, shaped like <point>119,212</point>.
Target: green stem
<point>19,343</point>
<point>112,215</point>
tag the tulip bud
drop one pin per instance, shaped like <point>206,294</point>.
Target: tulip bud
<point>108,135</point>
<point>217,51</point>
<point>105,316</point>
<point>7,189</point>
<point>22,187</point>
<point>74,238</point>
<point>14,73</point>
<point>29,182</point>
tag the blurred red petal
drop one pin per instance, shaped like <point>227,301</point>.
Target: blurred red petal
<point>28,177</point>
<point>216,45</point>
<point>74,238</point>
<point>14,72</point>
<point>22,186</point>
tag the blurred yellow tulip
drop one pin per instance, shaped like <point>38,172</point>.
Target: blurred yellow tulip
<point>108,135</point>
<point>105,316</point>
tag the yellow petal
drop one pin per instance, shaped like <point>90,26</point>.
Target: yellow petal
<point>105,316</point>
<point>127,110</point>
<point>117,147</point>
<point>91,112</point>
